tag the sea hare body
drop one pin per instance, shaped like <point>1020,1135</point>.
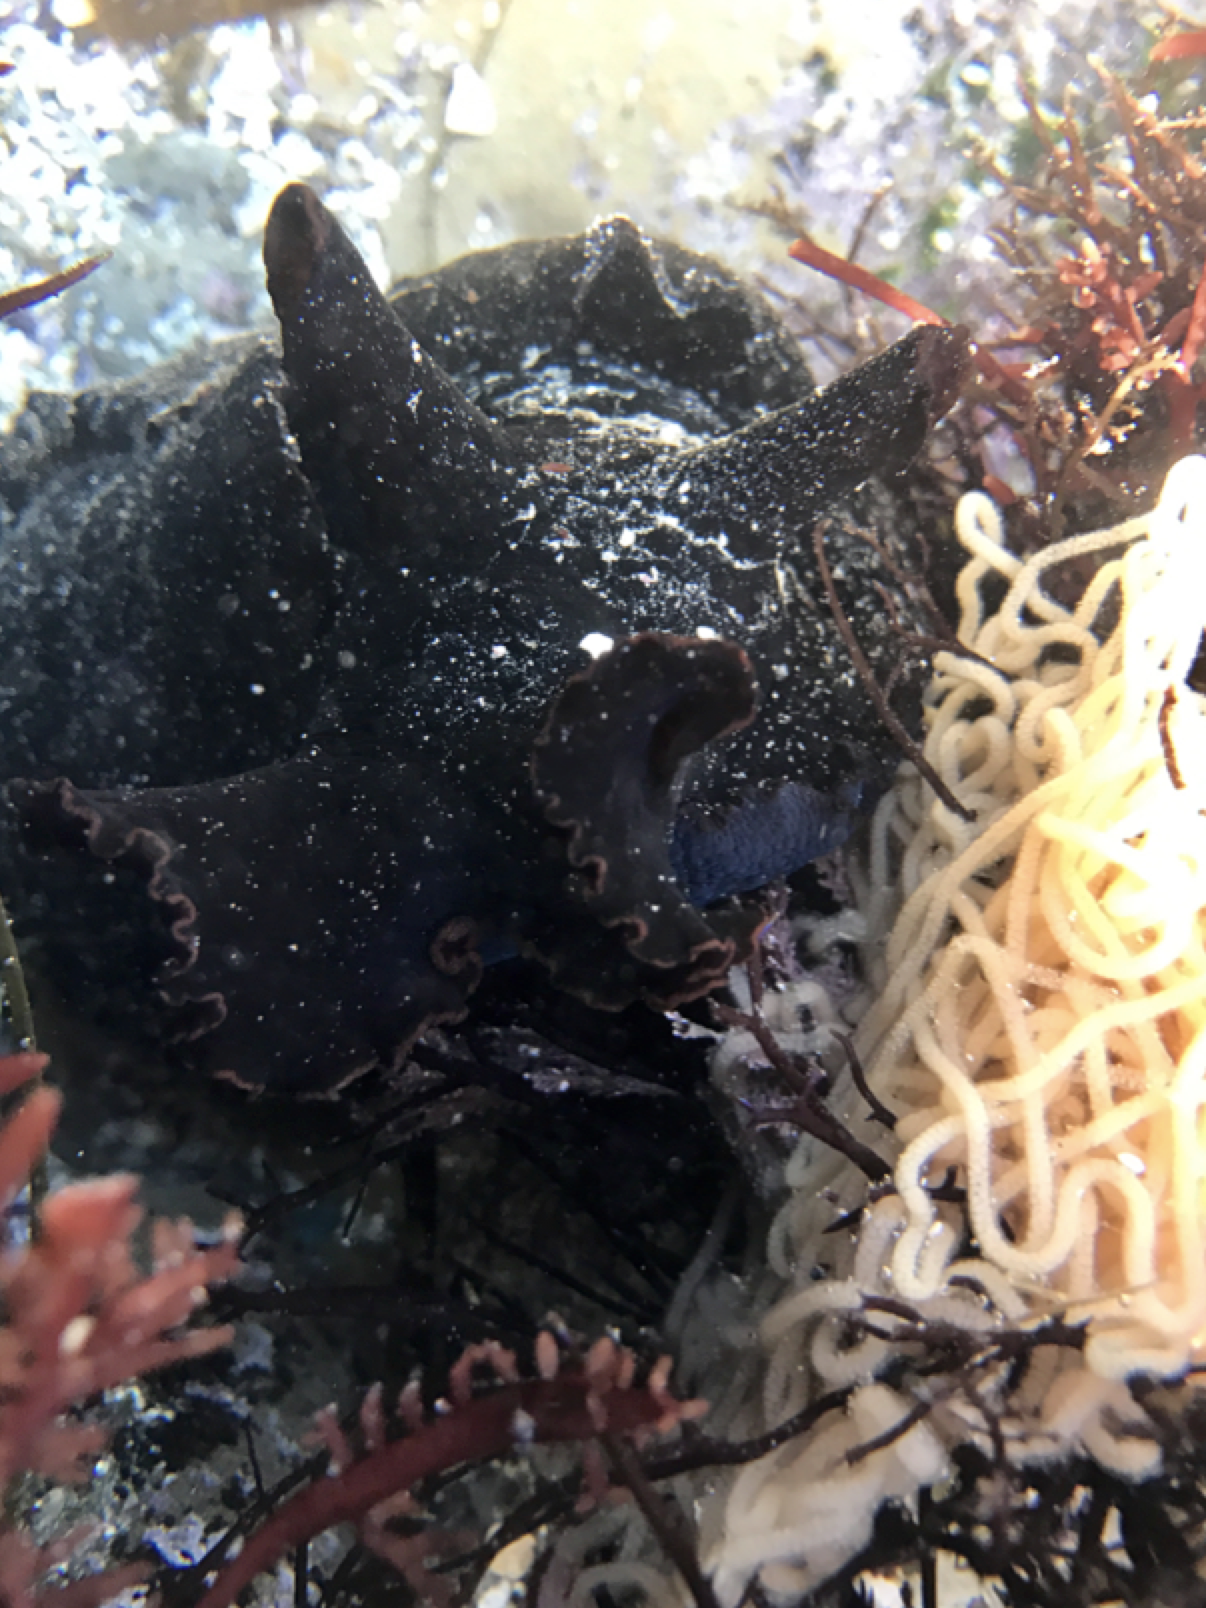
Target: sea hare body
<point>297,681</point>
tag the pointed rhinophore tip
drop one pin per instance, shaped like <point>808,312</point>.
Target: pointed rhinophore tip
<point>296,233</point>
<point>943,364</point>
<point>790,466</point>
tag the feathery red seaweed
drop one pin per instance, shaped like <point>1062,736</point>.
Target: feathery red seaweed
<point>577,1404</point>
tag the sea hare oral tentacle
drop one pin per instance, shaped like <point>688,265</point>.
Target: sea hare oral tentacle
<point>799,460</point>
<point>605,770</point>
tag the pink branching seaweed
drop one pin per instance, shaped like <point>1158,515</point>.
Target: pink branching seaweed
<point>598,1399</point>
<point>79,1318</point>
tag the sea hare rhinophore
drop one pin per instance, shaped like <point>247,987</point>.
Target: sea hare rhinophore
<point>297,672</point>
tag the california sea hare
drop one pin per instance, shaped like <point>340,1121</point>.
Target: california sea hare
<point>311,633</point>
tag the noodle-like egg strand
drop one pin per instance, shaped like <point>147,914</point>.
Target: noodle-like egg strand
<point>1041,1016</point>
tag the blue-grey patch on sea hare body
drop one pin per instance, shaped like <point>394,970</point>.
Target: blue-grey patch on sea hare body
<point>306,640</point>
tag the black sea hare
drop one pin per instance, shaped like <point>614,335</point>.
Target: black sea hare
<point>312,639</point>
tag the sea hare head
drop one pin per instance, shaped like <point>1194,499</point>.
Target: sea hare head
<point>600,444</point>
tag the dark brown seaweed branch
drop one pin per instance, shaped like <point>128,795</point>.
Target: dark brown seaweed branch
<point>867,676</point>
<point>806,1110</point>
<point>1171,764</point>
<point>664,1517</point>
<point>878,1109</point>
<point>703,1451</point>
<point>888,1437</point>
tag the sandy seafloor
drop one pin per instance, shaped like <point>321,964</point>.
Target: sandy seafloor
<point>433,129</point>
